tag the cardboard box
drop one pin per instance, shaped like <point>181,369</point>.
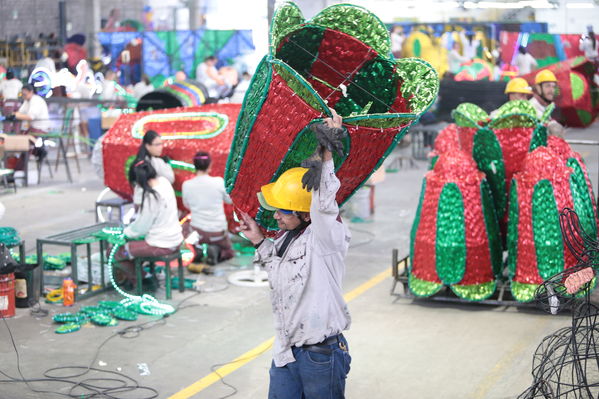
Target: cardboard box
<point>16,142</point>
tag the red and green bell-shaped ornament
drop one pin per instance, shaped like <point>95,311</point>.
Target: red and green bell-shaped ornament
<point>536,250</point>
<point>455,238</point>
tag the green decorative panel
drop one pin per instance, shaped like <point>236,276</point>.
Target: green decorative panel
<point>475,292</point>
<point>422,288</point>
<point>523,292</point>
<point>583,204</point>
<point>469,115</point>
<point>492,227</point>
<point>489,159</point>
<point>549,246</point>
<point>287,17</point>
<point>450,247</point>
<point>416,222</point>
<point>300,49</point>
<point>539,138</point>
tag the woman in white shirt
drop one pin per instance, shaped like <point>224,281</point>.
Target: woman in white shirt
<point>525,62</point>
<point>150,150</point>
<point>157,222</point>
<point>204,196</point>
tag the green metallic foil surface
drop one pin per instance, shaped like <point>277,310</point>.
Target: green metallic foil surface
<point>512,230</point>
<point>492,227</point>
<point>578,86</point>
<point>523,292</point>
<point>469,115</point>
<point>517,113</point>
<point>547,114</point>
<point>538,139</point>
<point>376,84</point>
<point>300,50</point>
<point>252,102</point>
<point>420,83</point>
<point>416,220</point>
<point>450,244</point>
<point>358,22</point>
<point>299,86</point>
<point>422,288</point>
<point>475,292</point>
<point>549,246</point>
<point>287,17</point>
<point>583,204</point>
<point>489,158</point>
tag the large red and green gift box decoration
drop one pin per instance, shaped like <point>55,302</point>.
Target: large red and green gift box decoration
<point>184,132</point>
<point>552,178</point>
<point>339,59</point>
<point>455,236</point>
<point>578,97</point>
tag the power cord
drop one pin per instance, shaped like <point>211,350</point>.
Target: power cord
<point>95,386</point>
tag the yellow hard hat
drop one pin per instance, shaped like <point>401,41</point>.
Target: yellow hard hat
<point>544,76</point>
<point>286,192</point>
<point>518,85</point>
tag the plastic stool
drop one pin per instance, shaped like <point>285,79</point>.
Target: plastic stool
<point>167,259</point>
<point>112,203</point>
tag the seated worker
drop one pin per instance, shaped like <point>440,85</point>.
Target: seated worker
<point>305,266</point>
<point>204,196</point>
<point>9,94</point>
<point>544,94</point>
<point>218,82</point>
<point>516,89</point>
<point>33,110</point>
<point>150,150</point>
<point>157,221</point>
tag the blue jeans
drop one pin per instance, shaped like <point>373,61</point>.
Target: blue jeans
<point>313,375</point>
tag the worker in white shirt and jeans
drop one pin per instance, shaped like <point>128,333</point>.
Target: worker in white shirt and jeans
<point>305,266</point>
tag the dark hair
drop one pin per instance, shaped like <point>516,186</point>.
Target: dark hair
<point>522,50</point>
<point>591,35</point>
<point>10,75</point>
<point>144,171</point>
<point>142,153</point>
<point>202,160</point>
<point>28,87</point>
<point>210,58</point>
<point>146,79</point>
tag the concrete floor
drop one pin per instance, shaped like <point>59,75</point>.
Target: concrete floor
<point>400,348</point>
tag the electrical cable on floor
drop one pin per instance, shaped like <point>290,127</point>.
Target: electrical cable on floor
<point>371,238</point>
<point>92,386</point>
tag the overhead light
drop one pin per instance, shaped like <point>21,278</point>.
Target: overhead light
<point>580,5</point>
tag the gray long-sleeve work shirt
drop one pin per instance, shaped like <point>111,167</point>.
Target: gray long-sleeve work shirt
<point>306,282</point>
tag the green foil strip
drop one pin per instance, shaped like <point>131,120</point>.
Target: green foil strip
<point>419,83</point>
<point>583,204</point>
<point>492,227</point>
<point>286,18</point>
<point>539,138</point>
<point>450,246</point>
<point>469,115</point>
<point>475,292</point>
<point>512,121</point>
<point>300,86</point>
<point>382,121</point>
<point>585,117</point>
<point>358,22</point>
<point>549,246</point>
<point>523,292</point>
<point>489,158</point>
<point>547,114</point>
<point>433,162</point>
<point>252,102</point>
<point>512,230</point>
<point>422,288</point>
<point>416,222</point>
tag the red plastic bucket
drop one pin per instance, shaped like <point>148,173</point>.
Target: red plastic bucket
<point>7,295</point>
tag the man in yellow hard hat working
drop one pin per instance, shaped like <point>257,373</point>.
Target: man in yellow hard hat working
<point>305,265</point>
<point>516,89</point>
<point>544,94</point>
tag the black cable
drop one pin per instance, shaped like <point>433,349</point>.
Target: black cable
<point>90,386</point>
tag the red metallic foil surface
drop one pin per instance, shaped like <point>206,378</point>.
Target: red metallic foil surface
<point>459,168</point>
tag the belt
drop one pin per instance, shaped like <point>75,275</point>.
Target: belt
<point>324,346</point>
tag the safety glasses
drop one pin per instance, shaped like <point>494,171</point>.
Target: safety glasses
<point>285,211</point>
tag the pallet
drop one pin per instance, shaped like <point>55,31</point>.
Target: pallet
<point>400,267</point>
